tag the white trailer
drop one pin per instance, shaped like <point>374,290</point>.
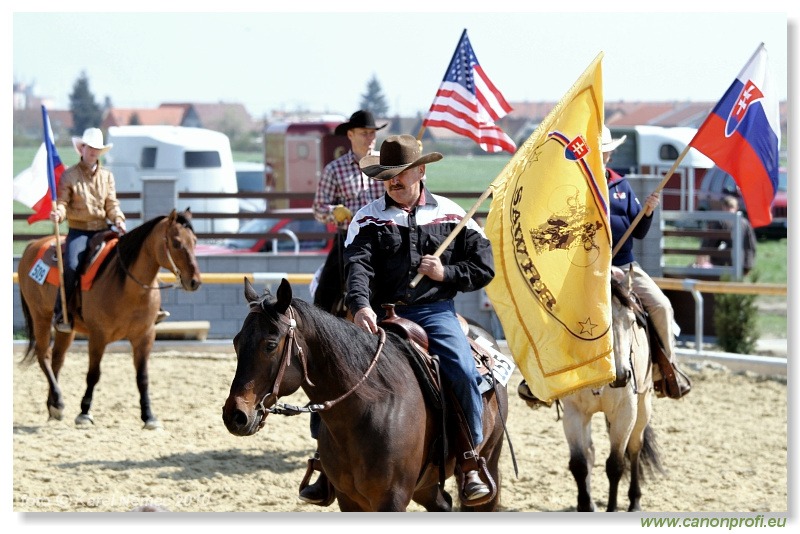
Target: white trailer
<point>654,150</point>
<point>200,160</point>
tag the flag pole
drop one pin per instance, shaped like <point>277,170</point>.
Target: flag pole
<point>51,181</point>
<point>421,131</point>
<point>463,222</point>
<point>656,191</point>
<point>60,259</point>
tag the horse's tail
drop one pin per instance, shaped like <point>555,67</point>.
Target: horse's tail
<point>650,456</point>
<point>28,358</point>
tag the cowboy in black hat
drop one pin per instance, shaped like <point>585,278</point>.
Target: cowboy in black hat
<point>342,190</point>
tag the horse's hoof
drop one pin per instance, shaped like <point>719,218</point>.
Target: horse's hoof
<point>153,424</point>
<point>55,413</point>
<point>84,419</point>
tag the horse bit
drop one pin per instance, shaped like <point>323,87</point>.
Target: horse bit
<point>290,348</point>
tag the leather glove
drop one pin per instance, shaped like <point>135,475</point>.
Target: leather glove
<point>342,214</point>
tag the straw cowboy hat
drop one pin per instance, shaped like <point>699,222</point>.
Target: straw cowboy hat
<point>360,119</point>
<point>398,153</point>
<point>607,143</point>
<point>92,137</point>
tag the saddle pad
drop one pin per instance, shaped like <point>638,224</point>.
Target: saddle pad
<point>91,271</point>
<point>47,261</point>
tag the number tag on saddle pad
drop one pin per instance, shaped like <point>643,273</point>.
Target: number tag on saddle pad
<point>39,272</point>
<point>503,365</point>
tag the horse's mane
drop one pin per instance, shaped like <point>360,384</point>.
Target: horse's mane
<point>130,244</point>
<point>348,351</point>
<point>621,293</point>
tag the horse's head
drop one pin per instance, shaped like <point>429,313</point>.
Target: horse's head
<point>265,347</point>
<point>179,243</point>
<point>628,325</point>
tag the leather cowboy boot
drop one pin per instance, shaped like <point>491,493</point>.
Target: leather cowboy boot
<point>474,490</point>
<point>320,492</point>
<point>525,393</point>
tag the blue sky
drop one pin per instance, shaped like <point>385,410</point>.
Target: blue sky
<point>322,61</point>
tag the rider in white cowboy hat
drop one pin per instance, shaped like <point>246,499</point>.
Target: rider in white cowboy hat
<point>87,200</point>
<point>624,207</point>
<point>93,138</point>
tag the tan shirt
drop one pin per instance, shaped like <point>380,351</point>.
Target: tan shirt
<point>86,199</point>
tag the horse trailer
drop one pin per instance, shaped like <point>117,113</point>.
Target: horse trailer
<point>199,160</point>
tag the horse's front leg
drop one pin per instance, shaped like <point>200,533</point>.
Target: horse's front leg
<point>96,350</point>
<point>578,431</point>
<point>620,422</point>
<point>634,451</point>
<point>141,358</point>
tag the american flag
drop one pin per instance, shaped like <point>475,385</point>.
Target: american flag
<point>468,103</point>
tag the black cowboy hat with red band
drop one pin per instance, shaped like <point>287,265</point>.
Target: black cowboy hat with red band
<point>360,119</point>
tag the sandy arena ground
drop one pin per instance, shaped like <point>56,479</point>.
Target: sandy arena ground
<point>724,446</point>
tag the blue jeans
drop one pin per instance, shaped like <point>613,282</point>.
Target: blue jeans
<point>448,342</point>
<point>75,249</point>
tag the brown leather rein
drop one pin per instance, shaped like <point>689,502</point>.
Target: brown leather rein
<point>173,267</point>
<point>291,348</point>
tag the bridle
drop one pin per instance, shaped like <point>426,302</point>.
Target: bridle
<point>174,268</point>
<point>291,348</point>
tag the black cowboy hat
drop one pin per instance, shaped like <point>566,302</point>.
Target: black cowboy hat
<point>398,153</point>
<point>360,119</point>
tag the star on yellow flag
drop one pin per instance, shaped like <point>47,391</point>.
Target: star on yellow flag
<point>548,224</point>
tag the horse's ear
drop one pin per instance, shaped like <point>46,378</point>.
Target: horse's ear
<point>188,213</point>
<point>284,296</point>
<point>173,216</point>
<point>249,293</point>
<point>629,279</point>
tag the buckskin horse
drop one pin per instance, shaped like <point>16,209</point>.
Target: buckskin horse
<point>378,444</point>
<point>122,303</point>
<point>627,411</point>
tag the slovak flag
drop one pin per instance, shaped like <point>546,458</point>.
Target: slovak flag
<point>742,135</point>
<point>36,186</point>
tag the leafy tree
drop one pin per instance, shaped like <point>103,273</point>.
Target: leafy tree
<point>85,111</point>
<point>373,100</point>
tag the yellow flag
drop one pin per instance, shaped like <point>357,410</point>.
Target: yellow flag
<point>548,224</point>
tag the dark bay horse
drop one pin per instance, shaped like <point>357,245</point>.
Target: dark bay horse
<point>122,303</point>
<point>627,412</point>
<point>378,444</point>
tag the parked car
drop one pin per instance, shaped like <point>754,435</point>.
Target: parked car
<point>294,242</point>
<point>252,177</point>
<point>717,183</point>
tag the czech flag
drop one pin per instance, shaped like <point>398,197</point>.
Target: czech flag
<point>36,186</point>
<point>742,135</point>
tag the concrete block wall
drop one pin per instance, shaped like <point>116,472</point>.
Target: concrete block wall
<point>224,306</point>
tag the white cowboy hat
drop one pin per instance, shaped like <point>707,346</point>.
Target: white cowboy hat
<point>92,137</point>
<point>607,143</point>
